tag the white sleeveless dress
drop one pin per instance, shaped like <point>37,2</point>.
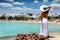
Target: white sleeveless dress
<point>44,27</point>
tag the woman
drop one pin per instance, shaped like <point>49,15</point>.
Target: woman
<point>44,21</point>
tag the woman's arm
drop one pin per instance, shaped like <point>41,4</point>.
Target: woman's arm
<point>49,8</point>
<point>40,15</point>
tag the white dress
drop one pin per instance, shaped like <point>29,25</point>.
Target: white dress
<point>44,27</point>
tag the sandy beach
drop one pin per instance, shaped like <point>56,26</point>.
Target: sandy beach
<point>53,35</point>
<point>33,21</point>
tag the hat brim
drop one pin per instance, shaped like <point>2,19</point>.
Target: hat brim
<point>43,6</point>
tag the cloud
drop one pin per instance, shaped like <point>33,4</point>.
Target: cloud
<point>24,8</point>
<point>45,0</point>
<point>6,5</point>
<point>53,1</point>
<point>18,3</point>
<point>57,0</point>
<point>35,1</point>
<point>19,8</point>
<point>51,9</point>
<point>10,0</point>
<point>55,5</point>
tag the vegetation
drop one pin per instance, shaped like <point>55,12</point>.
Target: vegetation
<point>23,17</point>
<point>10,18</point>
<point>29,14</point>
<point>54,17</point>
<point>20,17</point>
<point>3,17</point>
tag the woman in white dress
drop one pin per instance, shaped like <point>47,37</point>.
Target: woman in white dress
<point>44,21</point>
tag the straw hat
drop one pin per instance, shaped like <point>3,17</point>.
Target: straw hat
<point>42,8</point>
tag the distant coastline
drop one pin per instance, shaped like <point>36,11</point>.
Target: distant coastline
<point>33,21</point>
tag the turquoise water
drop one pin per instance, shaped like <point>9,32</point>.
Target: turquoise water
<point>13,28</point>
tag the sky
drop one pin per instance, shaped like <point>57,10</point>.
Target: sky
<point>28,6</point>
